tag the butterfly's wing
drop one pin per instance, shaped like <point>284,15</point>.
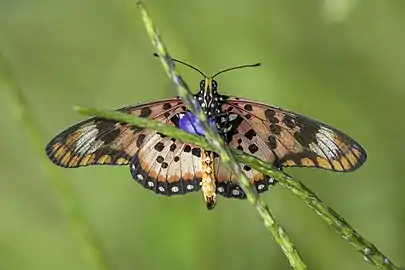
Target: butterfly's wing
<point>285,139</point>
<point>167,166</point>
<point>228,187</point>
<point>296,140</point>
<point>159,163</point>
<point>100,141</point>
<point>243,137</point>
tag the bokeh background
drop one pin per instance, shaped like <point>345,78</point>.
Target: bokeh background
<point>340,61</point>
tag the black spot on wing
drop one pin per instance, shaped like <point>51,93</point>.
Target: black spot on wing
<point>248,107</point>
<point>196,151</point>
<point>272,142</point>
<point>271,116</point>
<point>173,147</point>
<point>140,140</point>
<point>253,148</point>
<point>250,134</point>
<point>167,106</point>
<point>187,148</point>
<point>159,146</point>
<point>145,112</point>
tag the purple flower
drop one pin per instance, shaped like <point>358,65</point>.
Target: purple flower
<point>190,123</point>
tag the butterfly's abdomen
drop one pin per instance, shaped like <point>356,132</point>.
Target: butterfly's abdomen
<point>208,179</point>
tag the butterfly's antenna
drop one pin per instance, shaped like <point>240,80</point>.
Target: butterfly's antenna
<point>237,67</point>
<point>184,63</point>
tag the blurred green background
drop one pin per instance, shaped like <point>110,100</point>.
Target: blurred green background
<point>340,61</point>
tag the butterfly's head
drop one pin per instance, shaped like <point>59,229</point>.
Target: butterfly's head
<point>208,84</point>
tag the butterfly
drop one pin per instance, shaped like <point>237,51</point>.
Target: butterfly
<point>171,167</point>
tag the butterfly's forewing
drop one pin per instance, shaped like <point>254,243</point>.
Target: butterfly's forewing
<point>100,141</point>
<point>296,140</point>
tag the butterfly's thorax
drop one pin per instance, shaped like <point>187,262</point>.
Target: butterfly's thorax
<point>208,179</point>
<point>208,97</point>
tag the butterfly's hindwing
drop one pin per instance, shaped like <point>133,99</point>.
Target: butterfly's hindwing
<point>296,140</point>
<point>227,184</point>
<point>168,167</point>
<point>241,135</point>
